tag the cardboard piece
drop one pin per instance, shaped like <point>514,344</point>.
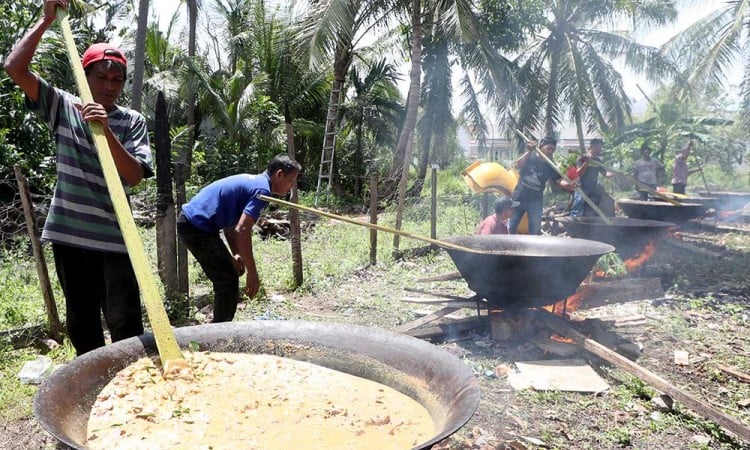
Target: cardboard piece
<point>557,374</point>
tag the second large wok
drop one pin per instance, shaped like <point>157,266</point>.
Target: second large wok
<point>629,236</point>
<point>519,271</point>
<point>664,211</point>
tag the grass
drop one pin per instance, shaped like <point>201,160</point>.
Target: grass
<point>20,292</point>
<point>15,397</point>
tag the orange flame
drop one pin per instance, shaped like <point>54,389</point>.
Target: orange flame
<point>632,264</point>
<point>570,304</point>
<point>558,338</point>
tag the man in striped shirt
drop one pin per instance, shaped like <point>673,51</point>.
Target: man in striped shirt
<point>90,256</point>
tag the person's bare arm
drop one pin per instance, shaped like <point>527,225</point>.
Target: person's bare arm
<point>568,185</point>
<point>241,242</point>
<point>523,159</point>
<point>18,61</point>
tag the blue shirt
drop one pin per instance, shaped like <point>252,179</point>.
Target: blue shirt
<point>221,204</point>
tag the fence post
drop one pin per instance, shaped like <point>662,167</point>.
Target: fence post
<point>373,220</point>
<point>41,264</point>
<point>433,206</point>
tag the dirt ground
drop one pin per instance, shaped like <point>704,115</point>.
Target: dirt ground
<point>703,310</point>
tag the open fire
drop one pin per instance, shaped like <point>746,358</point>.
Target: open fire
<point>574,301</point>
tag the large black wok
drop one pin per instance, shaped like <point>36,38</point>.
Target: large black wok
<point>525,270</point>
<point>663,211</point>
<point>629,236</point>
<point>728,201</point>
<point>433,377</point>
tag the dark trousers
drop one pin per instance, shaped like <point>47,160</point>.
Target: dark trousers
<point>216,260</point>
<point>94,283</point>
<point>679,188</point>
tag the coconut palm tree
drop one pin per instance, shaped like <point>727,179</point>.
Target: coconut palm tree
<point>185,161</point>
<point>335,31</point>
<point>460,33</point>
<point>709,49</point>
<point>371,117</point>
<point>295,88</point>
<point>568,67</point>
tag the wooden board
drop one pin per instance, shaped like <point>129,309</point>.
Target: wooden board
<point>573,375</point>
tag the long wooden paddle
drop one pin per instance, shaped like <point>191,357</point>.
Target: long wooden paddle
<point>373,226</point>
<point>578,189</point>
<point>166,342</point>
<point>703,177</point>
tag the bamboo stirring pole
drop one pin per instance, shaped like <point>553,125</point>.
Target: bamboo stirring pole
<point>373,226</point>
<point>578,189</point>
<point>703,176</point>
<point>166,342</point>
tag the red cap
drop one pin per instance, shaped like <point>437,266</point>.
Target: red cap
<point>103,52</point>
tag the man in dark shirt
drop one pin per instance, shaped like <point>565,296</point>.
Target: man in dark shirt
<point>588,179</point>
<point>533,176</point>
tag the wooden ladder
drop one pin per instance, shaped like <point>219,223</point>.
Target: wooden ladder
<point>329,144</point>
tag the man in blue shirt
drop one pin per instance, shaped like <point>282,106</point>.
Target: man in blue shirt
<point>232,205</point>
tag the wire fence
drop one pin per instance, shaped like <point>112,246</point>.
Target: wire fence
<point>12,220</point>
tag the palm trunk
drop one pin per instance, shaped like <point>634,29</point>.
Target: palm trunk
<point>166,234</point>
<point>579,130</point>
<point>139,61</point>
<point>412,107</point>
<point>549,115</point>
<point>183,168</point>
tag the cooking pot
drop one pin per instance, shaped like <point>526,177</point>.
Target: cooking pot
<point>629,236</point>
<point>662,211</point>
<point>520,271</point>
<point>433,377</point>
<point>727,200</point>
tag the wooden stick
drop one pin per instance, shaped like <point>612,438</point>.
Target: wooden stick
<point>426,319</point>
<point>454,327</point>
<point>578,189</point>
<point>448,296</point>
<point>445,277</point>
<point>698,405</point>
<point>166,342</point>
<point>703,177</point>
<point>50,307</point>
<point>440,302</point>
<point>745,378</point>
<point>373,226</point>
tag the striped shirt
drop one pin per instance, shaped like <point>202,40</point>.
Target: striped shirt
<point>81,213</point>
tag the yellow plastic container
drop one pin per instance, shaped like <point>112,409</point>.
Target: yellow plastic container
<point>491,177</point>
